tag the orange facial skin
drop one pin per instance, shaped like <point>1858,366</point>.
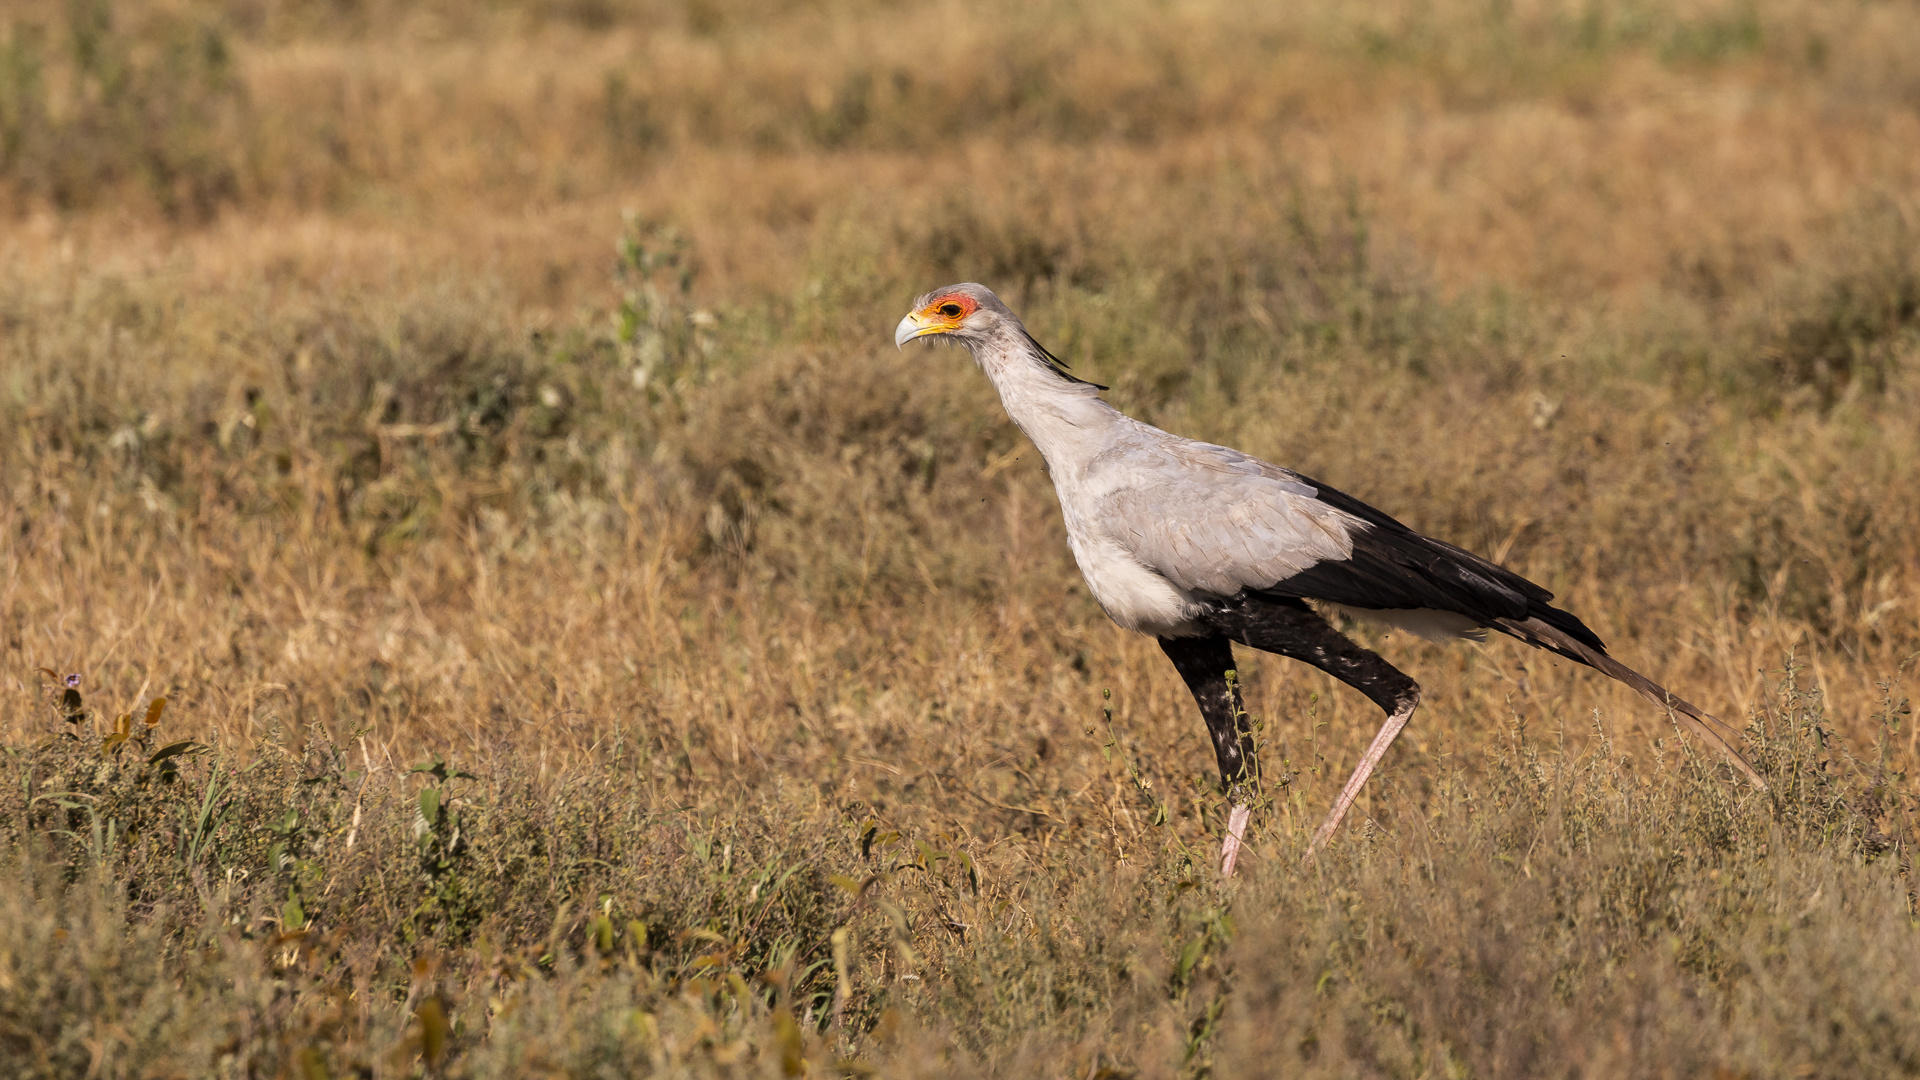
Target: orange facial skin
<point>948,312</point>
<point>942,314</point>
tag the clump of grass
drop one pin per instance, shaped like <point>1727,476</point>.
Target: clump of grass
<point>1851,332</point>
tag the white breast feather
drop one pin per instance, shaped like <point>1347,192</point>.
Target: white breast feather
<point>1133,596</point>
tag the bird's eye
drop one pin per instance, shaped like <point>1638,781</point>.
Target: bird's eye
<point>950,310</point>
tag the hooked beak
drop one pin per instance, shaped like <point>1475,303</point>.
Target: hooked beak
<point>912,327</point>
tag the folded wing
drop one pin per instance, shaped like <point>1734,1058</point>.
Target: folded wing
<point>1212,520</point>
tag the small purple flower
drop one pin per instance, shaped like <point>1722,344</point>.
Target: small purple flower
<point>73,681</point>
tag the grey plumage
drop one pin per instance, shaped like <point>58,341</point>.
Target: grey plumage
<point>1208,518</point>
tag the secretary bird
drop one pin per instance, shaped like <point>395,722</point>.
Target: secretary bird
<point>1201,546</point>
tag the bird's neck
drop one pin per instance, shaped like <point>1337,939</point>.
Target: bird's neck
<point>1066,420</point>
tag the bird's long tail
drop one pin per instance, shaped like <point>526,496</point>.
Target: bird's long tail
<point>1712,731</point>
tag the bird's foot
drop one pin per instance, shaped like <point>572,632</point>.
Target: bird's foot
<point>1236,835</point>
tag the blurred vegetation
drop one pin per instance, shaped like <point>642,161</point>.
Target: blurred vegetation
<point>103,110</point>
<point>483,597</point>
<point>98,99</point>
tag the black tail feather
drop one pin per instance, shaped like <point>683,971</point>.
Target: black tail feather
<point>1714,732</point>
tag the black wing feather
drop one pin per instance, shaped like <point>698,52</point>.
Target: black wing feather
<point>1393,567</point>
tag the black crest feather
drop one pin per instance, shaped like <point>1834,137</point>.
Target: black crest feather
<point>1058,365</point>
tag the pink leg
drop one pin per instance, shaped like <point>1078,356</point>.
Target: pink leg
<point>1236,834</point>
<point>1389,731</point>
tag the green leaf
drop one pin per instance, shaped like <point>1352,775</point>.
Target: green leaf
<point>184,746</point>
<point>434,1030</point>
<point>1190,955</point>
<point>430,805</point>
<point>973,877</point>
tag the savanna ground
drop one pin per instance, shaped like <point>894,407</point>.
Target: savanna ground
<point>590,649</point>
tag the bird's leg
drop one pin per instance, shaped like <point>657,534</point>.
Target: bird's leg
<point>1389,731</point>
<point>1294,630</point>
<point>1236,835</point>
<point>1206,664</point>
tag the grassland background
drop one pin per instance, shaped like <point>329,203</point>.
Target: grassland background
<point>505,389</point>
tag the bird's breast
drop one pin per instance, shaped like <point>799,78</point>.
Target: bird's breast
<point>1134,596</point>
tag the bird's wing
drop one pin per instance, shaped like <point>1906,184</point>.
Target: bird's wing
<point>1392,567</point>
<point>1211,519</point>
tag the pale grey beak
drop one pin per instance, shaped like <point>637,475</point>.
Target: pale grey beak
<point>910,327</point>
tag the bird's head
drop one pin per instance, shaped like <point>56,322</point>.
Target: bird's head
<point>969,314</point>
<point>965,314</point>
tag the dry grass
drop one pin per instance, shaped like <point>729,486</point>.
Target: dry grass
<point>333,411</point>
